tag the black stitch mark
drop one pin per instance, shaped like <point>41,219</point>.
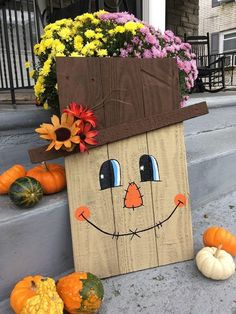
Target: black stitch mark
<point>132,233</point>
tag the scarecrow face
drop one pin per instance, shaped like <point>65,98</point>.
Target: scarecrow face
<point>110,177</point>
<point>133,180</point>
<point>123,212</point>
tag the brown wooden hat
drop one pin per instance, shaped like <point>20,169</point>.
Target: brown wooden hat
<point>129,96</point>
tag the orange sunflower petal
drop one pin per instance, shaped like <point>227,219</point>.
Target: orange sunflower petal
<point>55,121</point>
<point>67,144</point>
<point>58,145</point>
<point>75,139</point>
<point>67,120</point>
<point>46,136</point>
<point>50,146</point>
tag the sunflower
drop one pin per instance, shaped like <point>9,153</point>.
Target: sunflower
<point>61,134</point>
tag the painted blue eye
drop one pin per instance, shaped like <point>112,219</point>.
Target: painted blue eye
<point>149,170</point>
<point>109,175</point>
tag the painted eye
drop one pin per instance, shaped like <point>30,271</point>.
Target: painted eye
<point>109,175</point>
<point>149,170</point>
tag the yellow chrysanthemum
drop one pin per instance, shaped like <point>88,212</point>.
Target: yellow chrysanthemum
<point>65,33</point>
<point>75,54</point>
<point>89,33</point>
<point>58,46</point>
<point>95,21</point>
<point>100,12</point>
<point>85,16</point>
<point>45,106</point>
<point>102,52</point>
<point>31,73</point>
<point>48,42</point>
<point>61,134</point>
<point>60,54</point>
<point>36,48</point>
<point>119,29</point>
<point>39,86</point>
<point>46,67</point>
<point>78,42</point>
<point>27,64</point>
<point>99,35</point>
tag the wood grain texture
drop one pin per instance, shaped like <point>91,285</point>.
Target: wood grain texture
<point>128,129</point>
<point>107,256</point>
<point>174,242</point>
<point>138,253</point>
<point>93,251</point>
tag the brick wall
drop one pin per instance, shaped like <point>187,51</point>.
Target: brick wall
<point>217,19</point>
<point>182,16</point>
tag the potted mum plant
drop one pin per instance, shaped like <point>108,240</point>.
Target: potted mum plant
<point>104,34</point>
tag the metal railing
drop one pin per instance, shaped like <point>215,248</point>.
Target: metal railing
<point>229,68</point>
<point>20,28</point>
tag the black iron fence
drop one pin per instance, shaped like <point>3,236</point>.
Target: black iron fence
<point>229,67</point>
<point>20,28</point>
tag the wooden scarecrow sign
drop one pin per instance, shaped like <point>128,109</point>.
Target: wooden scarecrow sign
<point>129,196</point>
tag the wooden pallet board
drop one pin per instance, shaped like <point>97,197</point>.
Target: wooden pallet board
<point>106,255</point>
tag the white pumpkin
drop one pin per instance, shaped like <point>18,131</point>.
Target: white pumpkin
<point>215,263</point>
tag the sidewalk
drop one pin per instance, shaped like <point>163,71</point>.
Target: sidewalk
<point>214,100</point>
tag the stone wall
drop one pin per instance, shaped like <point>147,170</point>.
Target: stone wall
<point>182,16</point>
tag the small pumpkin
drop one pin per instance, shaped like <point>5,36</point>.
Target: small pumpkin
<point>25,192</point>
<point>215,263</point>
<point>36,294</point>
<point>9,176</point>
<point>215,236</point>
<point>81,292</point>
<point>52,177</point>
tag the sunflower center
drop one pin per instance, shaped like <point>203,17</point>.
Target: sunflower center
<point>82,136</point>
<point>63,134</point>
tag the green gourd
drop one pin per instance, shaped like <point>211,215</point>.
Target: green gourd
<point>25,192</point>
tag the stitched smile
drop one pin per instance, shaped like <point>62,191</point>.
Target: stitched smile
<point>135,232</point>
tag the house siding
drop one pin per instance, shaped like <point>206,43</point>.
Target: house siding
<point>216,19</point>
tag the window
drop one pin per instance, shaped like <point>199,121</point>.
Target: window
<point>229,42</point>
<point>228,47</point>
<point>215,3</point>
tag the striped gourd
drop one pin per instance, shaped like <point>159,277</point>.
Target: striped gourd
<point>26,192</point>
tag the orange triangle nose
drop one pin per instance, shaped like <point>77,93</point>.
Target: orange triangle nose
<point>133,197</point>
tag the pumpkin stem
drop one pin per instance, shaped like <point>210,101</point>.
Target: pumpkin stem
<point>45,165</point>
<point>217,252</point>
<point>33,285</point>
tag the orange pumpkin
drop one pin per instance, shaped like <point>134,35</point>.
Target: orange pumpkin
<point>36,294</point>
<point>82,293</point>
<point>23,290</point>
<point>52,177</point>
<point>10,176</point>
<point>216,236</point>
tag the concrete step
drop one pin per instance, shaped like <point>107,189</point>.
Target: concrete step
<point>34,241</point>
<point>211,154</point>
<point>38,240</point>
<point>22,96</point>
